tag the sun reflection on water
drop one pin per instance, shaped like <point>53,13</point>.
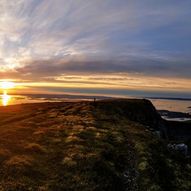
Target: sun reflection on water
<point>5,86</point>
<point>5,98</point>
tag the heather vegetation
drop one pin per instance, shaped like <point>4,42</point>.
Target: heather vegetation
<point>86,146</point>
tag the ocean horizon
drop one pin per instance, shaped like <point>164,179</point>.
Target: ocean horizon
<point>160,103</point>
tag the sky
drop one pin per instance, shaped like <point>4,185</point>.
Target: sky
<point>121,47</point>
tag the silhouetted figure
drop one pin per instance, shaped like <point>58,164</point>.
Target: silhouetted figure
<point>94,103</point>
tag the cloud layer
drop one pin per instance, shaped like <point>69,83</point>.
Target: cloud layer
<point>45,39</point>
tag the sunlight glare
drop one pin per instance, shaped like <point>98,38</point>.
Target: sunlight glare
<point>7,85</point>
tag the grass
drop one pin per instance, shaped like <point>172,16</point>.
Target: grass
<point>82,146</point>
<point>19,161</point>
<point>34,147</point>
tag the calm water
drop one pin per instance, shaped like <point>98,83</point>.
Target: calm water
<point>6,99</point>
<point>171,105</point>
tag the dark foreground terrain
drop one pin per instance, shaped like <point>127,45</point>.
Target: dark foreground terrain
<point>86,146</point>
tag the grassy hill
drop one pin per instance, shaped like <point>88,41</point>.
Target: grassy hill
<point>84,146</point>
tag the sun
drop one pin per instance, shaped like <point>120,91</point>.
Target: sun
<point>7,85</point>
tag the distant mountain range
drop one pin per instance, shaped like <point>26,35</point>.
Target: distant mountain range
<point>170,98</point>
<point>64,96</point>
<point>78,96</point>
